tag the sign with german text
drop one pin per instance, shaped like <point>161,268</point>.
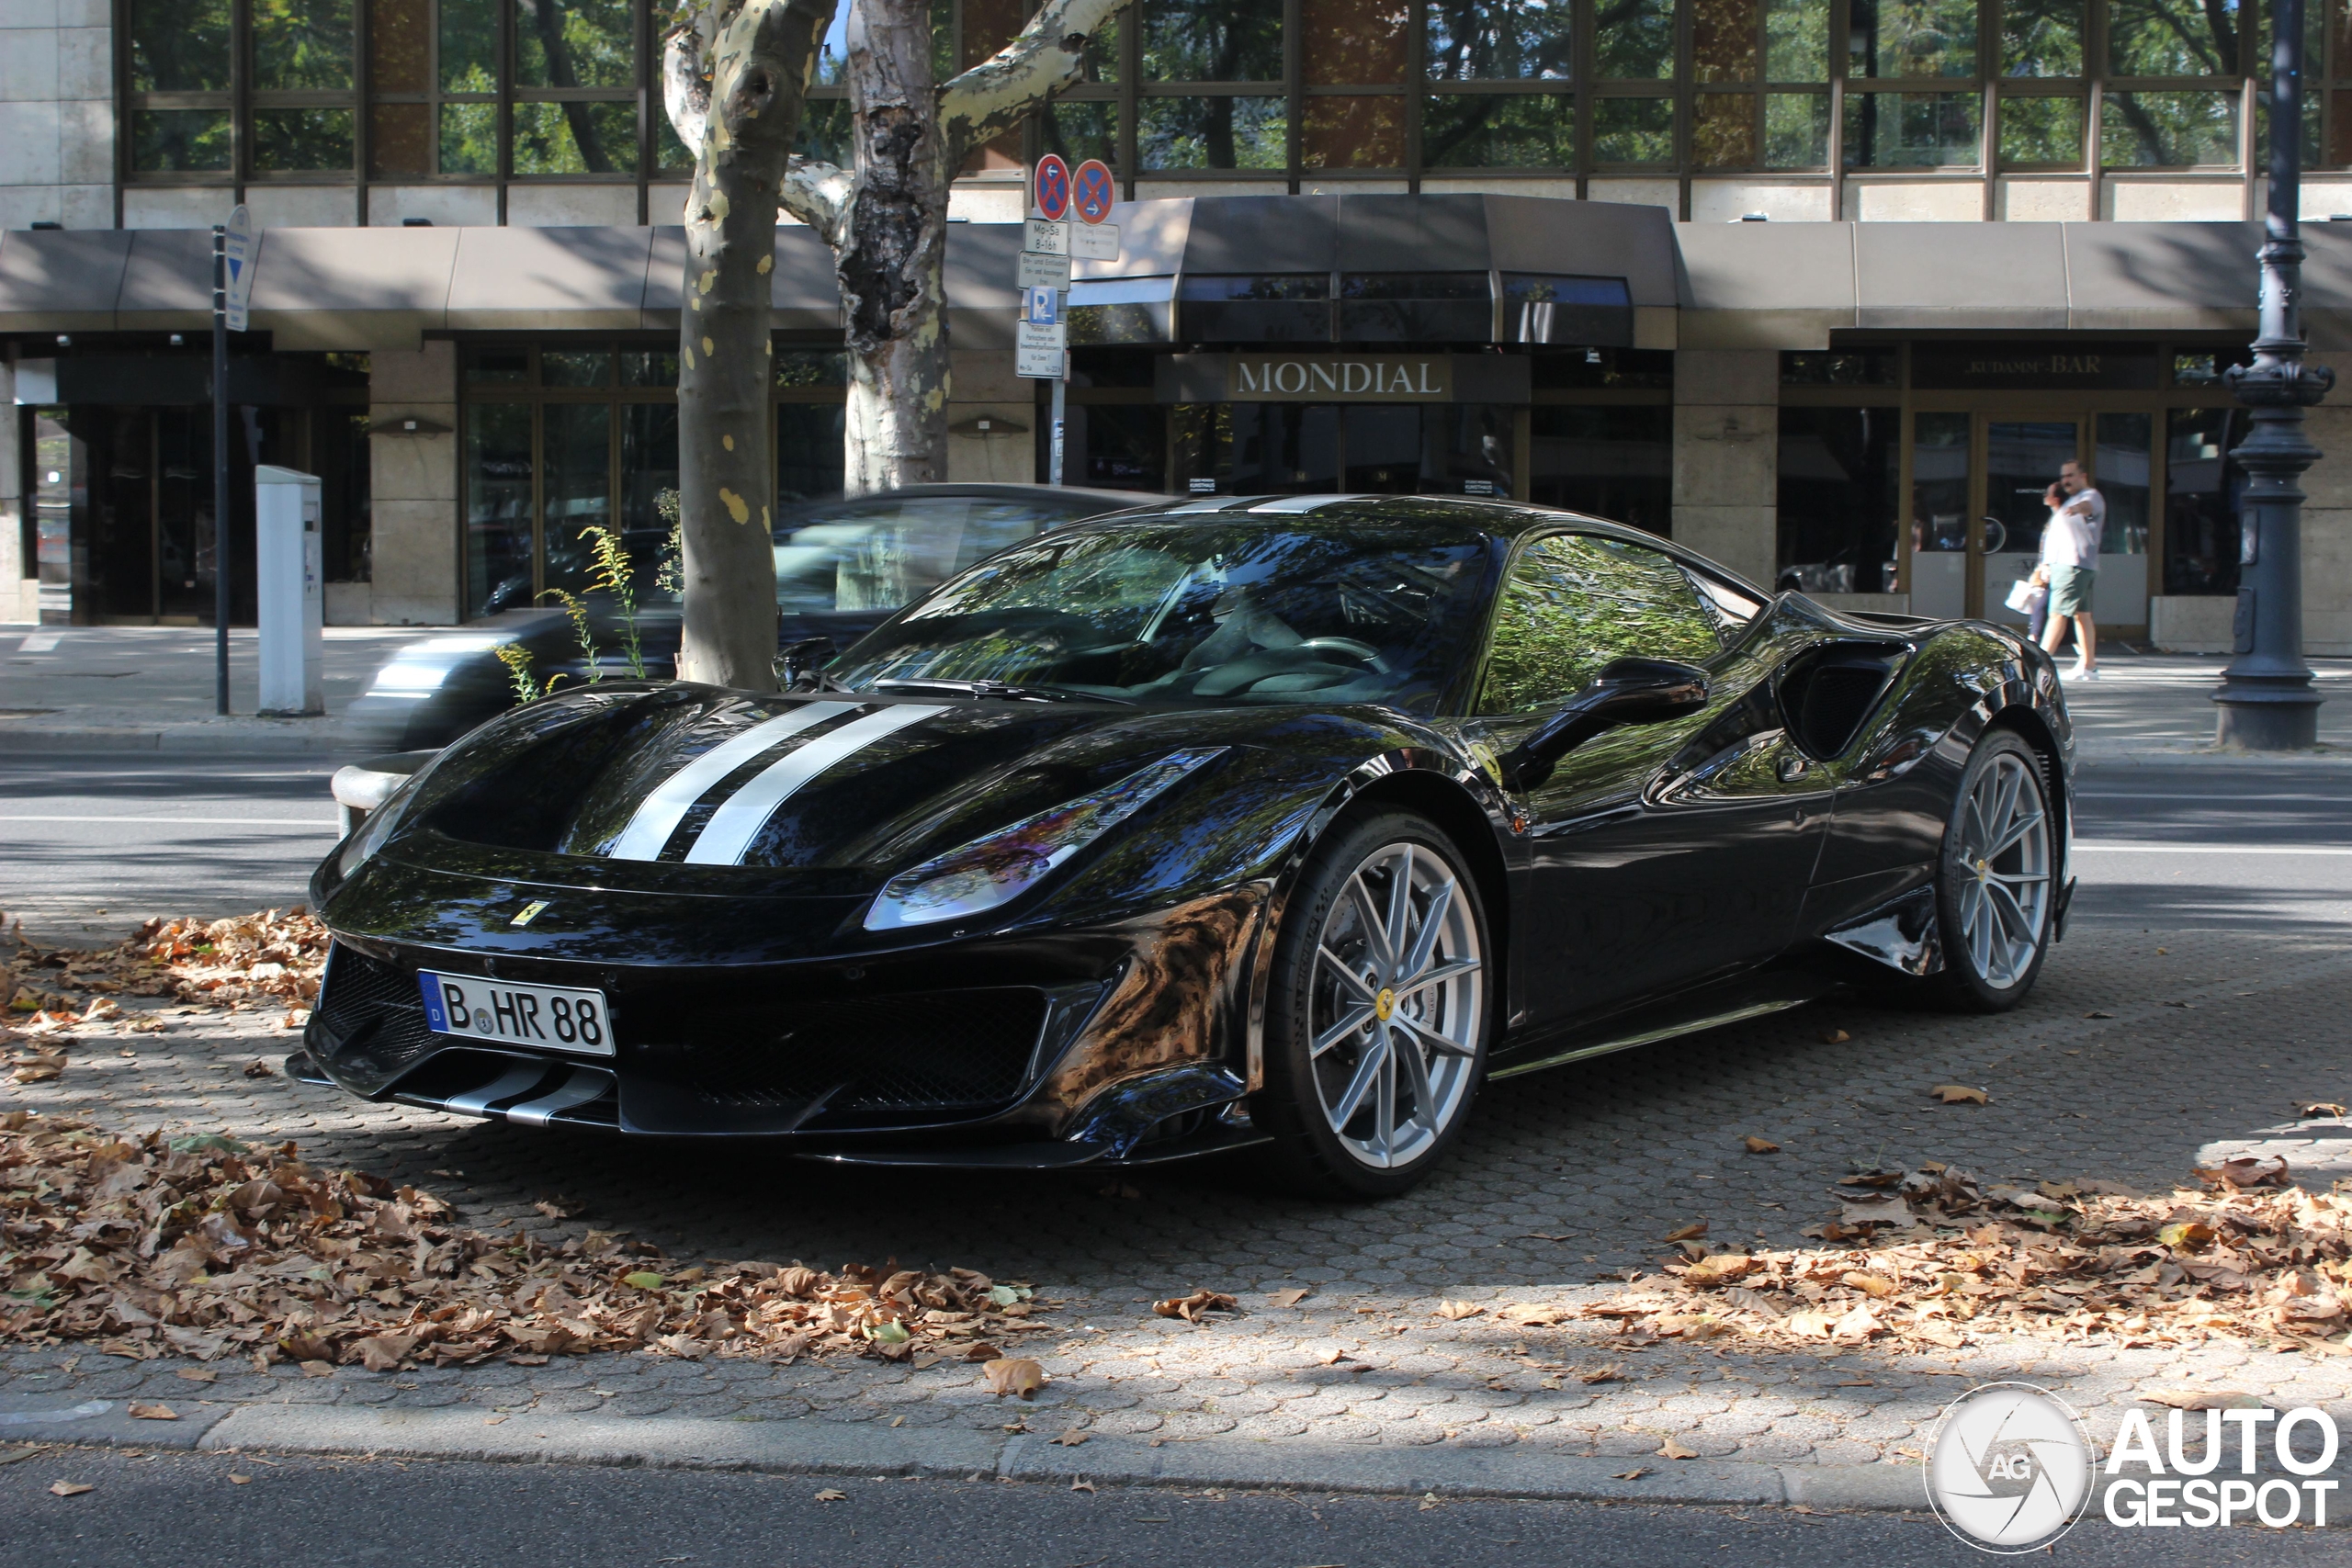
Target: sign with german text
<point>1097,242</point>
<point>1339,378</point>
<point>1038,270</point>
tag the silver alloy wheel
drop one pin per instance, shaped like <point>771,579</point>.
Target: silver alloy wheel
<point>2004,870</point>
<point>1396,1005</point>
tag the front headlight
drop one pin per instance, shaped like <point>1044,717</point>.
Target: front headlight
<point>1007,863</point>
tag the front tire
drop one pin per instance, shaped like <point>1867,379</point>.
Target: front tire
<point>1381,1008</point>
<point>1995,886</point>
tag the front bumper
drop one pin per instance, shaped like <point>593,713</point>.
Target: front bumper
<point>1125,1044</point>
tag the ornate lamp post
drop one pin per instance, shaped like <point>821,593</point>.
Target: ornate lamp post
<point>2266,698</point>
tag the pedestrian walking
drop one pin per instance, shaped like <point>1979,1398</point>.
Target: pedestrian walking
<point>2069,566</point>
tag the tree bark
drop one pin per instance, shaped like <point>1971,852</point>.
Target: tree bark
<point>734,75</point>
<point>886,216</point>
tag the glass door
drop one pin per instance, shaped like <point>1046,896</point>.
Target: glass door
<point>2022,461</point>
<point>1942,512</point>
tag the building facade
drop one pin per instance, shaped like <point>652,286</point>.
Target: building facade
<point>1825,289</point>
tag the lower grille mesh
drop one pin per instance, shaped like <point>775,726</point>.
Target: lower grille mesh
<point>940,1051</point>
<point>373,1008</point>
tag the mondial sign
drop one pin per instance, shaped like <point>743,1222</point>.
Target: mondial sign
<point>1347,377</point>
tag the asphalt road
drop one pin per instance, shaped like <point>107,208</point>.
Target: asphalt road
<point>166,1510</point>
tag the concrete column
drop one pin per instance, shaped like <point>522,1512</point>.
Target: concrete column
<point>413,480</point>
<point>983,386</point>
<point>2327,518</point>
<point>1726,457</point>
<point>18,600</point>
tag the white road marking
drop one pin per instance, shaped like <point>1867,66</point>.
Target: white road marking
<point>327,822</point>
<point>2133,847</point>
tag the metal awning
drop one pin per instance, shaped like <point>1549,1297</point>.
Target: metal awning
<point>1696,286</point>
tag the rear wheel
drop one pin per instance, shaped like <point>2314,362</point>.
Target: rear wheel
<point>1377,1025</point>
<point>1996,889</point>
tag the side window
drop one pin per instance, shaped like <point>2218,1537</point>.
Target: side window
<point>1732,608</point>
<point>1573,602</point>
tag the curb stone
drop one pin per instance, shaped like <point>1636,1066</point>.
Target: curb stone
<point>304,738</point>
<point>104,1423</point>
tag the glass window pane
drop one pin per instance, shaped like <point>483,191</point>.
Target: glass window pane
<point>1633,131</point>
<point>574,43</point>
<point>1213,133</point>
<point>1615,463</point>
<point>498,367</point>
<point>469,139</point>
<point>2310,137</point>
<point>173,140</point>
<point>2042,130</point>
<point>1574,603</point>
<point>498,507</point>
<point>1723,131</point>
<point>1911,38</point>
<point>1500,40</point>
<point>400,139</point>
<point>400,46</point>
<point>1077,129</point>
<point>301,44</point>
<point>2120,469</point>
<point>1353,42</point>
<point>1504,130</point>
<point>808,368</point>
<point>2203,494</point>
<point>1796,130</point>
<point>575,367</point>
<point>1212,40</point>
<point>1125,446</point>
<point>1938,483</point>
<point>1796,40</point>
<point>302,139</point>
<point>576,441</point>
<point>648,469</point>
<point>1722,41</point>
<point>808,454</point>
<point>2042,38</point>
<point>469,46</point>
<point>2172,37</point>
<point>649,367</point>
<point>824,131</point>
<point>1255,448</point>
<point>1633,40</point>
<point>575,139</point>
<point>1911,130</point>
<point>2162,130</point>
<point>1432,449</point>
<point>1352,133</point>
<point>1837,485</point>
<point>179,46</point>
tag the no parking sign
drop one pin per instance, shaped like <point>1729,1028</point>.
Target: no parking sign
<point>1051,188</point>
<point>1091,191</point>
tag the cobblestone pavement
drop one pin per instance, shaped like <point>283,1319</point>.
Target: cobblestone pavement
<point>1567,1179</point>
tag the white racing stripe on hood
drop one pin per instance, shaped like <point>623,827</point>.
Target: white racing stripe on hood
<point>741,817</point>
<point>658,813</point>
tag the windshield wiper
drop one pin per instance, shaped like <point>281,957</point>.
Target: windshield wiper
<point>1005,689</point>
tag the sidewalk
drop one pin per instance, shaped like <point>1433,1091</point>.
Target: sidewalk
<point>151,688</point>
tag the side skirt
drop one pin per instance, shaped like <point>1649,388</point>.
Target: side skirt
<point>1753,998</point>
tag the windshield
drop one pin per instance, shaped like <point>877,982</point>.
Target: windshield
<point>1162,611</point>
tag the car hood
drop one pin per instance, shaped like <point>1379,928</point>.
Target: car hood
<point>688,790</point>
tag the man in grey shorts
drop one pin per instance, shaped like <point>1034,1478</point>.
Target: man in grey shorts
<point>2070,566</point>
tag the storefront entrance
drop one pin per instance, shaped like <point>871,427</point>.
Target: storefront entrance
<point>1367,448</point>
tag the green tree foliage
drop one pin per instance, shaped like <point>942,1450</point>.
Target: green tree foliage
<point>1573,602</point>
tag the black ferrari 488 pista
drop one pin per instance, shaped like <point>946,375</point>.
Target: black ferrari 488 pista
<point>1292,822</point>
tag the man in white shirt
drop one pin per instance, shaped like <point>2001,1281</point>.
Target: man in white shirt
<point>2069,565</point>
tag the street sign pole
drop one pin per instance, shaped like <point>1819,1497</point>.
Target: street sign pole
<point>1062,391</point>
<point>220,469</point>
<point>1043,347</point>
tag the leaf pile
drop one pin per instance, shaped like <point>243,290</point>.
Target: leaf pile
<point>200,1245</point>
<point>275,955</point>
<point>1935,1257</point>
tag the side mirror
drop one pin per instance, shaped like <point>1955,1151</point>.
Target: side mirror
<point>1627,691</point>
<point>797,666</point>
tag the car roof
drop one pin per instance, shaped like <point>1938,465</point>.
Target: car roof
<point>1506,519</point>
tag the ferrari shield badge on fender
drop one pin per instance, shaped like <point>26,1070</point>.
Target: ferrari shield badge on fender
<point>530,912</point>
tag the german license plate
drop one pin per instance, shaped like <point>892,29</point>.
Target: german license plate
<point>501,1012</point>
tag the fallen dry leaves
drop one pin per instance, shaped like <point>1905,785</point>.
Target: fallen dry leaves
<point>200,1245</point>
<point>1190,1308</point>
<point>69,1488</point>
<point>1960,1094</point>
<point>1014,1375</point>
<point>1931,1257</point>
<point>1756,1145</point>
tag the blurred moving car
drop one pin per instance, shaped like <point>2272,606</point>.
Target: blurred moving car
<point>842,567</point>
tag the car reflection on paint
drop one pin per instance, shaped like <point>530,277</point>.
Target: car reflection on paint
<point>843,565</point>
<point>1284,823</point>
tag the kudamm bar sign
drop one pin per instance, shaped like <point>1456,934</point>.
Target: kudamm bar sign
<point>1259,378</point>
<point>1346,377</point>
